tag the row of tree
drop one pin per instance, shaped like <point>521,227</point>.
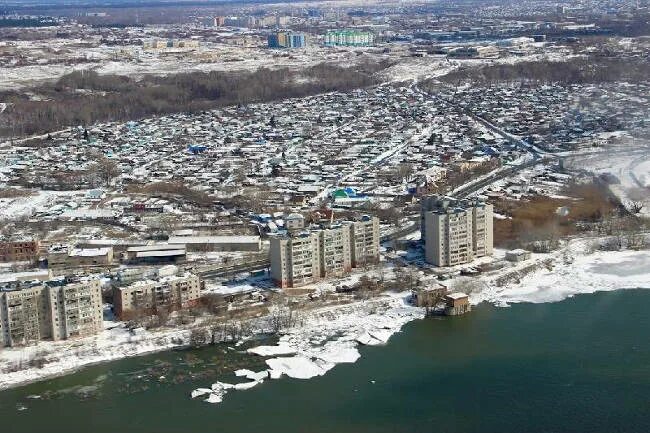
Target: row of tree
<point>86,97</point>
<point>576,70</point>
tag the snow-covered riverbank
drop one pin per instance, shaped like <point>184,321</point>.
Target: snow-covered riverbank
<point>19,366</point>
<point>584,272</point>
<point>331,335</point>
<point>324,339</point>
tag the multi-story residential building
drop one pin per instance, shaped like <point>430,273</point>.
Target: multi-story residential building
<point>482,229</point>
<point>333,250</point>
<point>18,250</point>
<point>287,40</point>
<point>54,310</point>
<point>349,38</point>
<point>75,309</point>
<point>171,292</point>
<point>455,231</point>
<point>365,241</point>
<point>295,260</point>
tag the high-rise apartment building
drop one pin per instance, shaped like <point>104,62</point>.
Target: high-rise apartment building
<point>287,40</point>
<point>335,251</point>
<point>330,251</point>
<point>455,231</point>
<point>54,310</point>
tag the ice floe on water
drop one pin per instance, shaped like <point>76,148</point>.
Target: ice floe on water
<point>278,350</point>
<point>218,390</point>
<point>298,367</point>
<point>200,391</point>
<point>327,338</point>
<point>251,375</point>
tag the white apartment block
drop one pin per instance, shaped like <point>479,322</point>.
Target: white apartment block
<point>173,292</point>
<point>54,310</point>
<point>455,231</point>
<point>306,257</point>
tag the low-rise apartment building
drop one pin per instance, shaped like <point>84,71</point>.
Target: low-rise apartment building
<point>333,250</point>
<point>53,310</point>
<point>455,231</point>
<point>147,296</point>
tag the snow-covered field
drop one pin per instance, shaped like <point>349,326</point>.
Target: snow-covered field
<point>26,206</point>
<point>630,166</point>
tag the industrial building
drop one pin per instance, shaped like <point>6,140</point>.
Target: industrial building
<point>216,243</point>
<point>154,254</point>
<point>65,256</point>
<point>165,291</point>
<point>300,258</point>
<point>456,304</point>
<point>53,310</point>
<point>455,231</point>
<point>349,38</point>
<point>287,40</point>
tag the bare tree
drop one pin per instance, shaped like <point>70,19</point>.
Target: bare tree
<point>199,337</point>
<point>280,314</point>
<point>405,171</point>
<point>107,169</point>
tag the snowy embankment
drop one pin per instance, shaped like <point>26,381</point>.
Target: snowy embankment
<point>333,337</point>
<point>326,338</point>
<point>19,366</point>
<point>584,272</point>
<point>50,359</point>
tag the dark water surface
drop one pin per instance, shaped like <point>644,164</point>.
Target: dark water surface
<point>582,365</point>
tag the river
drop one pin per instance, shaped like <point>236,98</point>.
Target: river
<point>580,365</point>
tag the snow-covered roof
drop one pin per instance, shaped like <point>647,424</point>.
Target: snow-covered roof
<point>214,240</point>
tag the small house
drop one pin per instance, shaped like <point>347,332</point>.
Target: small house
<point>457,303</point>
